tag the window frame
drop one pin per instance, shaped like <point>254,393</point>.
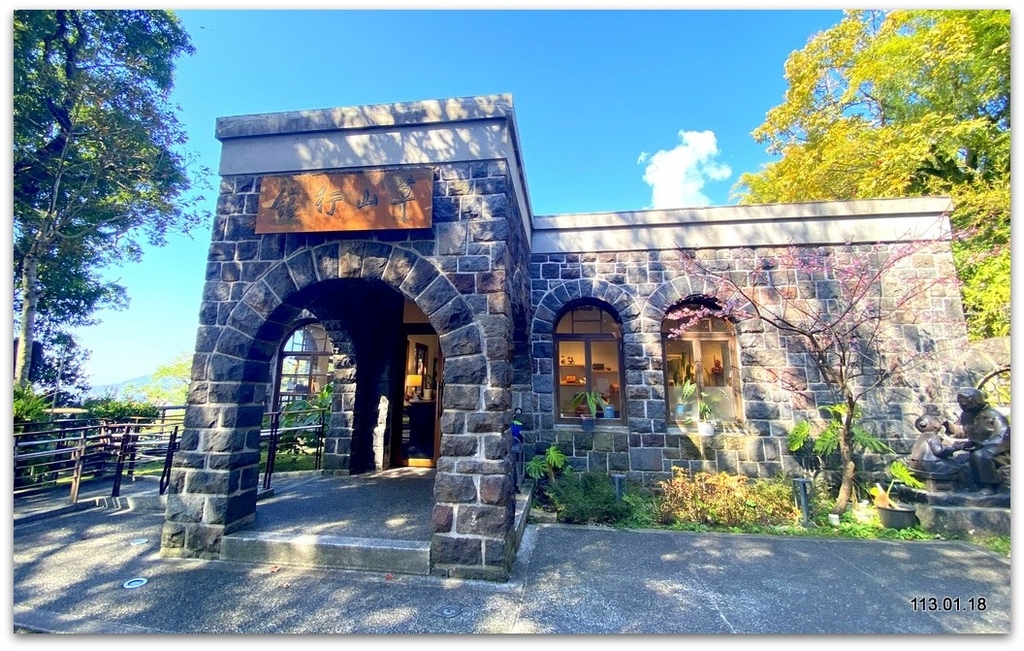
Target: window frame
<point>281,397</point>
<point>695,337</point>
<point>587,340</point>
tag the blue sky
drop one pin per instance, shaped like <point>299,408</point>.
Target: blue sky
<point>617,110</point>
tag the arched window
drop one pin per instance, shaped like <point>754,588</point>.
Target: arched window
<point>702,375</point>
<point>588,359</point>
<point>304,364</point>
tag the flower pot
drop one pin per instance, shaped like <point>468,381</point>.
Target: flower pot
<point>609,411</point>
<point>705,428</point>
<point>587,422</point>
<point>898,518</point>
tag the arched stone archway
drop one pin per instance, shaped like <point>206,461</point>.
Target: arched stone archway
<point>214,480</point>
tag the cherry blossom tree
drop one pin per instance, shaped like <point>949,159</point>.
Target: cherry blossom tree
<point>861,317</point>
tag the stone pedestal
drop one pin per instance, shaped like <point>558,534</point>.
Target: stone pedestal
<point>962,514</point>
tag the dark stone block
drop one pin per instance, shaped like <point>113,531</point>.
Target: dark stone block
<point>459,446</point>
<point>271,247</point>
<point>496,446</point>
<point>442,517</point>
<point>464,283</point>
<point>449,550</point>
<point>496,490</point>
<point>645,458</point>
<point>487,422</point>
<point>597,461</point>
<point>454,488</point>
<point>471,263</point>
<point>436,295</point>
<point>445,209</point>
<point>232,342</point>
<point>399,266</point>
<point>489,282</point>
<point>497,399</point>
<point>207,482</point>
<point>302,269</point>
<point>489,230</point>
<point>419,278</point>
<point>491,521</point>
<point>451,317</point>
<point>465,370</point>
<point>618,461</point>
<point>461,396</point>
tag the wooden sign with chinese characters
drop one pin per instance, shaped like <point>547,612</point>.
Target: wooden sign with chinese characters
<point>348,201</point>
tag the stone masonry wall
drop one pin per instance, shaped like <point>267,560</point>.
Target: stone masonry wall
<point>258,287</point>
<point>639,288</point>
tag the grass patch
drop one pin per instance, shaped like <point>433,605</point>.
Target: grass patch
<point>289,462</point>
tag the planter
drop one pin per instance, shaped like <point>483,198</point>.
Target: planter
<point>588,423</point>
<point>680,411</point>
<point>900,518</point>
<point>705,428</point>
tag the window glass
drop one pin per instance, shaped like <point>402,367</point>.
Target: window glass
<point>588,359</point>
<point>701,372</point>
<point>304,365</point>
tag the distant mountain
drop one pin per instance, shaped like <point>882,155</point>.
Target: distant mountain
<point>118,389</point>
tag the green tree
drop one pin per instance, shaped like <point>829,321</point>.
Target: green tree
<point>61,369</point>
<point>98,166</point>
<point>168,384</point>
<point>905,103</point>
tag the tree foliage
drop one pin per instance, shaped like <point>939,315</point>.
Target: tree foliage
<point>168,384</point>
<point>860,316</point>
<point>905,103</point>
<point>98,165</point>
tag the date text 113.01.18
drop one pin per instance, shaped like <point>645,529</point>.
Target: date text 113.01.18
<point>947,603</point>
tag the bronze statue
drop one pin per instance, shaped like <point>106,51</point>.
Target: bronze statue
<point>974,451</point>
<point>937,453</point>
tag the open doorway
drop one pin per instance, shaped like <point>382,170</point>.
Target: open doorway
<point>416,430</point>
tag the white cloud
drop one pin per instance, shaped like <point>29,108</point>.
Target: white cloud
<point>677,176</point>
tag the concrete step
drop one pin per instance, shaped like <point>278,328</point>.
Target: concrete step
<point>340,552</point>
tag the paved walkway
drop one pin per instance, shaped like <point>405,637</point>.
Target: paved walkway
<point>70,572</point>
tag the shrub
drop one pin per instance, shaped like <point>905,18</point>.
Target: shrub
<point>120,411</point>
<point>726,500</point>
<point>29,406</point>
<point>587,498</point>
<point>643,509</point>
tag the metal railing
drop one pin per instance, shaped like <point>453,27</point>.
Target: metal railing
<point>293,429</point>
<point>51,454</point>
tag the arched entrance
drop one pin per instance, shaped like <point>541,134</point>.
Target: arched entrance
<point>377,303</point>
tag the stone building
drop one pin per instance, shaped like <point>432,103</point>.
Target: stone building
<point>392,252</point>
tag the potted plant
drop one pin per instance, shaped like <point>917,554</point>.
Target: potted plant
<point>892,514</point>
<point>683,395</point>
<point>708,412</point>
<point>428,387</point>
<point>586,404</point>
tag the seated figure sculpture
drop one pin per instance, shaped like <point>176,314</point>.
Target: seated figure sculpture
<point>975,450</point>
<point>939,456</point>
